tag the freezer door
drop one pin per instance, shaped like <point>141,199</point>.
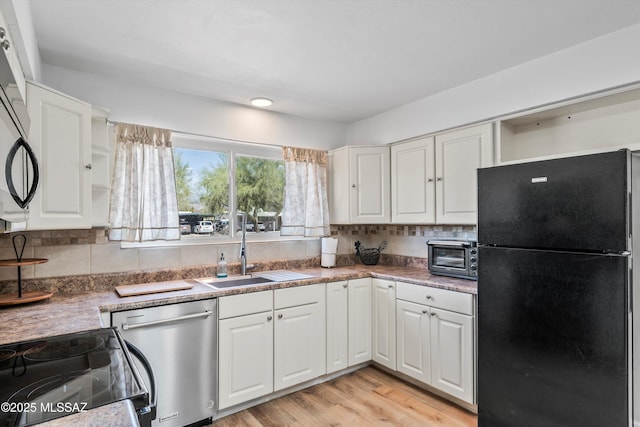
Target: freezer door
<point>577,203</point>
<point>552,339</point>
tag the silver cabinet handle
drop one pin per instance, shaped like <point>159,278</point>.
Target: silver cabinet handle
<point>344,285</point>
<point>430,180</point>
<point>5,44</point>
<point>425,311</point>
<point>88,166</point>
<point>433,314</point>
<point>3,32</point>
<point>429,297</point>
<point>353,186</point>
<point>269,318</point>
<point>390,286</point>
<point>205,314</point>
<point>280,316</point>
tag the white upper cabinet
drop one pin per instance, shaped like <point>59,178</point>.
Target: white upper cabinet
<point>434,178</point>
<point>459,154</point>
<point>359,185</point>
<point>413,191</point>
<point>60,135</point>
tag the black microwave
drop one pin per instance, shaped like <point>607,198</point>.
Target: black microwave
<point>455,258</point>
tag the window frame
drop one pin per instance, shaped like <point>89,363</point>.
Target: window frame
<point>233,149</point>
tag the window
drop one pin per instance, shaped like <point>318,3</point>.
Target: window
<point>218,183</point>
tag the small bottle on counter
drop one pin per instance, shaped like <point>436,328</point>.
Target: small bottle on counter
<point>221,271</point>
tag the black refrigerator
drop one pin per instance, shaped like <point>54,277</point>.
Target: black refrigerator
<point>554,285</point>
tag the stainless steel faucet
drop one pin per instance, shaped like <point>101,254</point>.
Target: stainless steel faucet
<point>243,246</point>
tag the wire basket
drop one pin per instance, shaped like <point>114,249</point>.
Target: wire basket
<point>369,256</point>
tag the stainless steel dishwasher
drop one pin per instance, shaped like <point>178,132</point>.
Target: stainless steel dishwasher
<point>180,342</point>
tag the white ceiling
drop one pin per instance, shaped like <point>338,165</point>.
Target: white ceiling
<point>340,60</point>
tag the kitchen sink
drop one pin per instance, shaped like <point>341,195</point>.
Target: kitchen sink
<point>229,283</point>
<point>263,277</point>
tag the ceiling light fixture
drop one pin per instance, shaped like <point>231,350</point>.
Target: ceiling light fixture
<point>261,102</point>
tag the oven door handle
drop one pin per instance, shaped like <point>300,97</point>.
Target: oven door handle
<point>148,412</point>
<point>450,243</point>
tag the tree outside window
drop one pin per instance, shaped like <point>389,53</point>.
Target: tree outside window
<point>202,185</point>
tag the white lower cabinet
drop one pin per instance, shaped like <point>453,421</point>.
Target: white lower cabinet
<point>348,323</point>
<point>272,340</point>
<point>435,338</point>
<point>337,326</point>
<point>359,320</point>
<point>414,340</point>
<point>299,336</point>
<point>245,334</point>
<point>269,341</point>
<point>384,322</point>
<point>452,353</point>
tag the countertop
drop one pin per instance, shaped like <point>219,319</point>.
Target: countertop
<point>79,311</point>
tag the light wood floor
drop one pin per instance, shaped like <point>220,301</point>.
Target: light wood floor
<point>367,397</point>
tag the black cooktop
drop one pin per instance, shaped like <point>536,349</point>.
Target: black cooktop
<point>53,377</point>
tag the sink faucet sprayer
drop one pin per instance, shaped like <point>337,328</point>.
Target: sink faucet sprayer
<point>243,246</point>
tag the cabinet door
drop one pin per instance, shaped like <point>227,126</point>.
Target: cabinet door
<point>458,156</point>
<point>384,322</point>
<point>359,321</point>
<point>298,345</point>
<point>452,353</point>
<point>339,190</point>
<point>337,326</point>
<point>60,134</point>
<point>413,335</point>
<point>413,187</point>
<point>245,358</point>
<point>370,180</point>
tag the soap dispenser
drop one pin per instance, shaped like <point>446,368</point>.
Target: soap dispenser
<point>221,271</point>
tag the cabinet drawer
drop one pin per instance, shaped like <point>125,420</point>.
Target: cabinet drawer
<point>240,305</point>
<point>435,297</point>
<point>298,295</point>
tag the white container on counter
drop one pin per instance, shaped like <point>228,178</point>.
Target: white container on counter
<point>329,249</point>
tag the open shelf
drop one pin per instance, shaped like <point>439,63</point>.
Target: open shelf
<point>602,123</point>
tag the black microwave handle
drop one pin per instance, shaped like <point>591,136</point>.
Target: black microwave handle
<point>148,412</point>
<point>22,202</point>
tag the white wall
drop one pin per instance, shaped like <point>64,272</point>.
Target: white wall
<point>146,105</point>
<point>602,63</point>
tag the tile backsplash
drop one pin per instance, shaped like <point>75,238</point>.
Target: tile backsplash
<point>402,240</point>
<point>77,256</point>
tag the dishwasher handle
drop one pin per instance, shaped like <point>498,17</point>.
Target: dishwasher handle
<point>205,314</point>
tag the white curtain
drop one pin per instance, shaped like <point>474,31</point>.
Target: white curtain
<point>305,209</point>
<point>144,203</point>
